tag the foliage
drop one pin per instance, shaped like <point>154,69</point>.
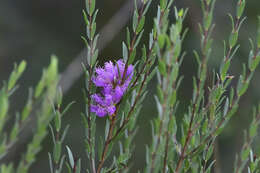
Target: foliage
<point>177,146</point>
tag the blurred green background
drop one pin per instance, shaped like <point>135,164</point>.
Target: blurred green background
<point>35,29</point>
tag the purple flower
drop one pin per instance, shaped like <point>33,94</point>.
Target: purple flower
<point>113,82</point>
<point>104,105</point>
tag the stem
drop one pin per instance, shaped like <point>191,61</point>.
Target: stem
<point>180,161</point>
<point>108,141</point>
<point>196,103</point>
<point>90,70</point>
<point>166,152</point>
<point>132,43</point>
<point>74,170</point>
<point>217,168</point>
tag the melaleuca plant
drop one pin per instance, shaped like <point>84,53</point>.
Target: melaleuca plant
<point>122,88</point>
<point>39,98</point>
<point>210,107</point>
<point>114,92</point>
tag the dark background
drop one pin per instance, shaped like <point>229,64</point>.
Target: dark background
<point>35,29</point>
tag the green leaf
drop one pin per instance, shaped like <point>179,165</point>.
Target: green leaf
<point>233,38</point>
<point>50,162</point>
<point>207,21</point>
<point>253,130</point>
<point>255,62</point>
<point>68,168</point>
<point>52,71</point>
<point>138,39</point>
<point>125,52</point>
<point>163,4</point>
<point>59,97</point>
<point>177,49</point>
<point>15,75</point>
<point>57,121</point>
<point>159,107</point>
<point>57,152</point>
<point>160,93</point>
<point>4,105</point>
<point>40,86</point>
<point>140,25</point>
<point>173,125</point>
<point>86,21</point>
<point>94,58</point>
<point>240,8</point>
<point>161,40</point>
<point>92,7</point>
<point>15,130</point>
<point>180,13</point>
<point>209,153</point>
<point>93,31</point>
<point>224,69</point>
<point>173,98</point>
<point>135,20</point>
<point>132,57</point>
<point>65,131</point>
<point>67,108</point>
<point>162,67</point>
<point>245,154</point>
<point>243,89</point>
<point>21,67</point>
<point>128,37</point>
<point>71,159</point>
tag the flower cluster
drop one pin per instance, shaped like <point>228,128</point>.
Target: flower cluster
<point>113,81</point>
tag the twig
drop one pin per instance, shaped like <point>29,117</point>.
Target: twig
<point>107,143</point>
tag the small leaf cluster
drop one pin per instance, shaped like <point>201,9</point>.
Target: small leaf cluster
<point>38,103</point>
<point>58,134</point>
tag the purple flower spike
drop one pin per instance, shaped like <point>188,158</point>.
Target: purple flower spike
<point>113,87</point>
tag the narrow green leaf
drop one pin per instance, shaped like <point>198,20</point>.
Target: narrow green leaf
<point>128,37</point>
<point>161,40</point>
<point>50,162</point>
<point>233,38</point>
<point>159,93</point>
<point>140,25</point>
<point>132,57</point>
<point>162,67</point>
<point>92,7</point>
<point>4,105</point>
<point>163,4</point>
<point>138,39</point>
<point>253,130</point>
<point>57,121</point>
<point>224,69</point>
<point>57,152</point>
<point>71,159</point>
<point>240,8</point>
<point>125,52</point>
<point>135,20</point>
